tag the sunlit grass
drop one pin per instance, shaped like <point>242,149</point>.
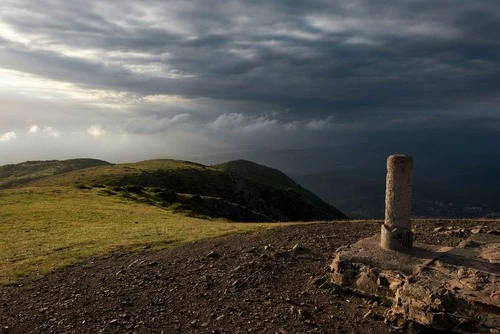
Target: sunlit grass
<point>112,173</point>
<point>42,229</point>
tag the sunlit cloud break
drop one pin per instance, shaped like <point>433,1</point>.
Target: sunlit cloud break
<point>320,124</point>
<point>6,137</point>
<point>51,131</point>
<point>239,122</point>
<point>96,130</point>
<point>34,129</point>
<point>153,125</point>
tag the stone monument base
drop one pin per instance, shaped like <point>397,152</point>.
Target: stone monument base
<point>445,288</point>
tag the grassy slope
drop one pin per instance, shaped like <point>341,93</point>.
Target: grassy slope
<point>130,173</point>
<point>284,189</point>
<point>44,228</point>
<point>26,172</point>
<point>50,223</point>
<point>257,188</point>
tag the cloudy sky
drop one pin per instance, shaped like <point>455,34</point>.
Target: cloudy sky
<point>201,80</point>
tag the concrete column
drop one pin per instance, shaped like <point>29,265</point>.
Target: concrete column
<point>396,230</point>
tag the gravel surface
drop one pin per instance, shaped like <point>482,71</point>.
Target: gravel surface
<point>266,282</point>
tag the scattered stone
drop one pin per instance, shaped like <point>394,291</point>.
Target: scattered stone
<point>180,296</point>
<point>318,281</point>
<point>440,288</point>
<point>251,250</point>
<point>368,314</point>
<point>495,295</point>
<point>303,314</point>
<point>456,233</point>
<point>212,255</point>
<point>469,244</point>
<point>382,281</point>
<point>478,229</point>
<point>439,229</point>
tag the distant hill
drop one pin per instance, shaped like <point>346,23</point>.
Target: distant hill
<point>463,192</point>
<point>282,191</point>
<point>238,190</point>
<point>29,171</point>
<point>259,173</point>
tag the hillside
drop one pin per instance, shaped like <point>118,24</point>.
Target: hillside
<point>278,186</point>
<point>29,171</point>
<point>238,191</point>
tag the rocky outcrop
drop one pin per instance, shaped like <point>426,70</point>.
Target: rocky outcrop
<point>442,288</point>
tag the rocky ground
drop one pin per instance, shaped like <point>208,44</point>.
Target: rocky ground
<point>269,282</point>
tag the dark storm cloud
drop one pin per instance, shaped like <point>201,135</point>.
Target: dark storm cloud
<point>351,58</point>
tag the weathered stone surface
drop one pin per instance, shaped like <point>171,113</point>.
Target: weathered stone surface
<point>478,229</point>
<point>442,288</point>
<point>396,231</point>
<point>396,238</point>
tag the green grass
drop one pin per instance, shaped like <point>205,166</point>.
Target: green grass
<point>46,228</point>
<point>254,188</point>
<point>29,171</point>
<point>112,174</point>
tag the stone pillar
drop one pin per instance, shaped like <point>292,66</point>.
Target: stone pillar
<point>396,230</point>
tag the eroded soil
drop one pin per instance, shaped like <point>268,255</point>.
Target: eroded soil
<point>267,282</point>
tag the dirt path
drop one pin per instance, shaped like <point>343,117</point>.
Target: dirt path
<point>256,283</point>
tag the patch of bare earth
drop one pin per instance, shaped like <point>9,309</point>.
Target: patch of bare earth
<point>266,282</point>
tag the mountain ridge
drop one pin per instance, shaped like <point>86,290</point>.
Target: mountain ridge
<point>235,190</point>
<point>13,175</point>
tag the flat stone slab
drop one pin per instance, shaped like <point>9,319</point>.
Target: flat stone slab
<point>446,288</point>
